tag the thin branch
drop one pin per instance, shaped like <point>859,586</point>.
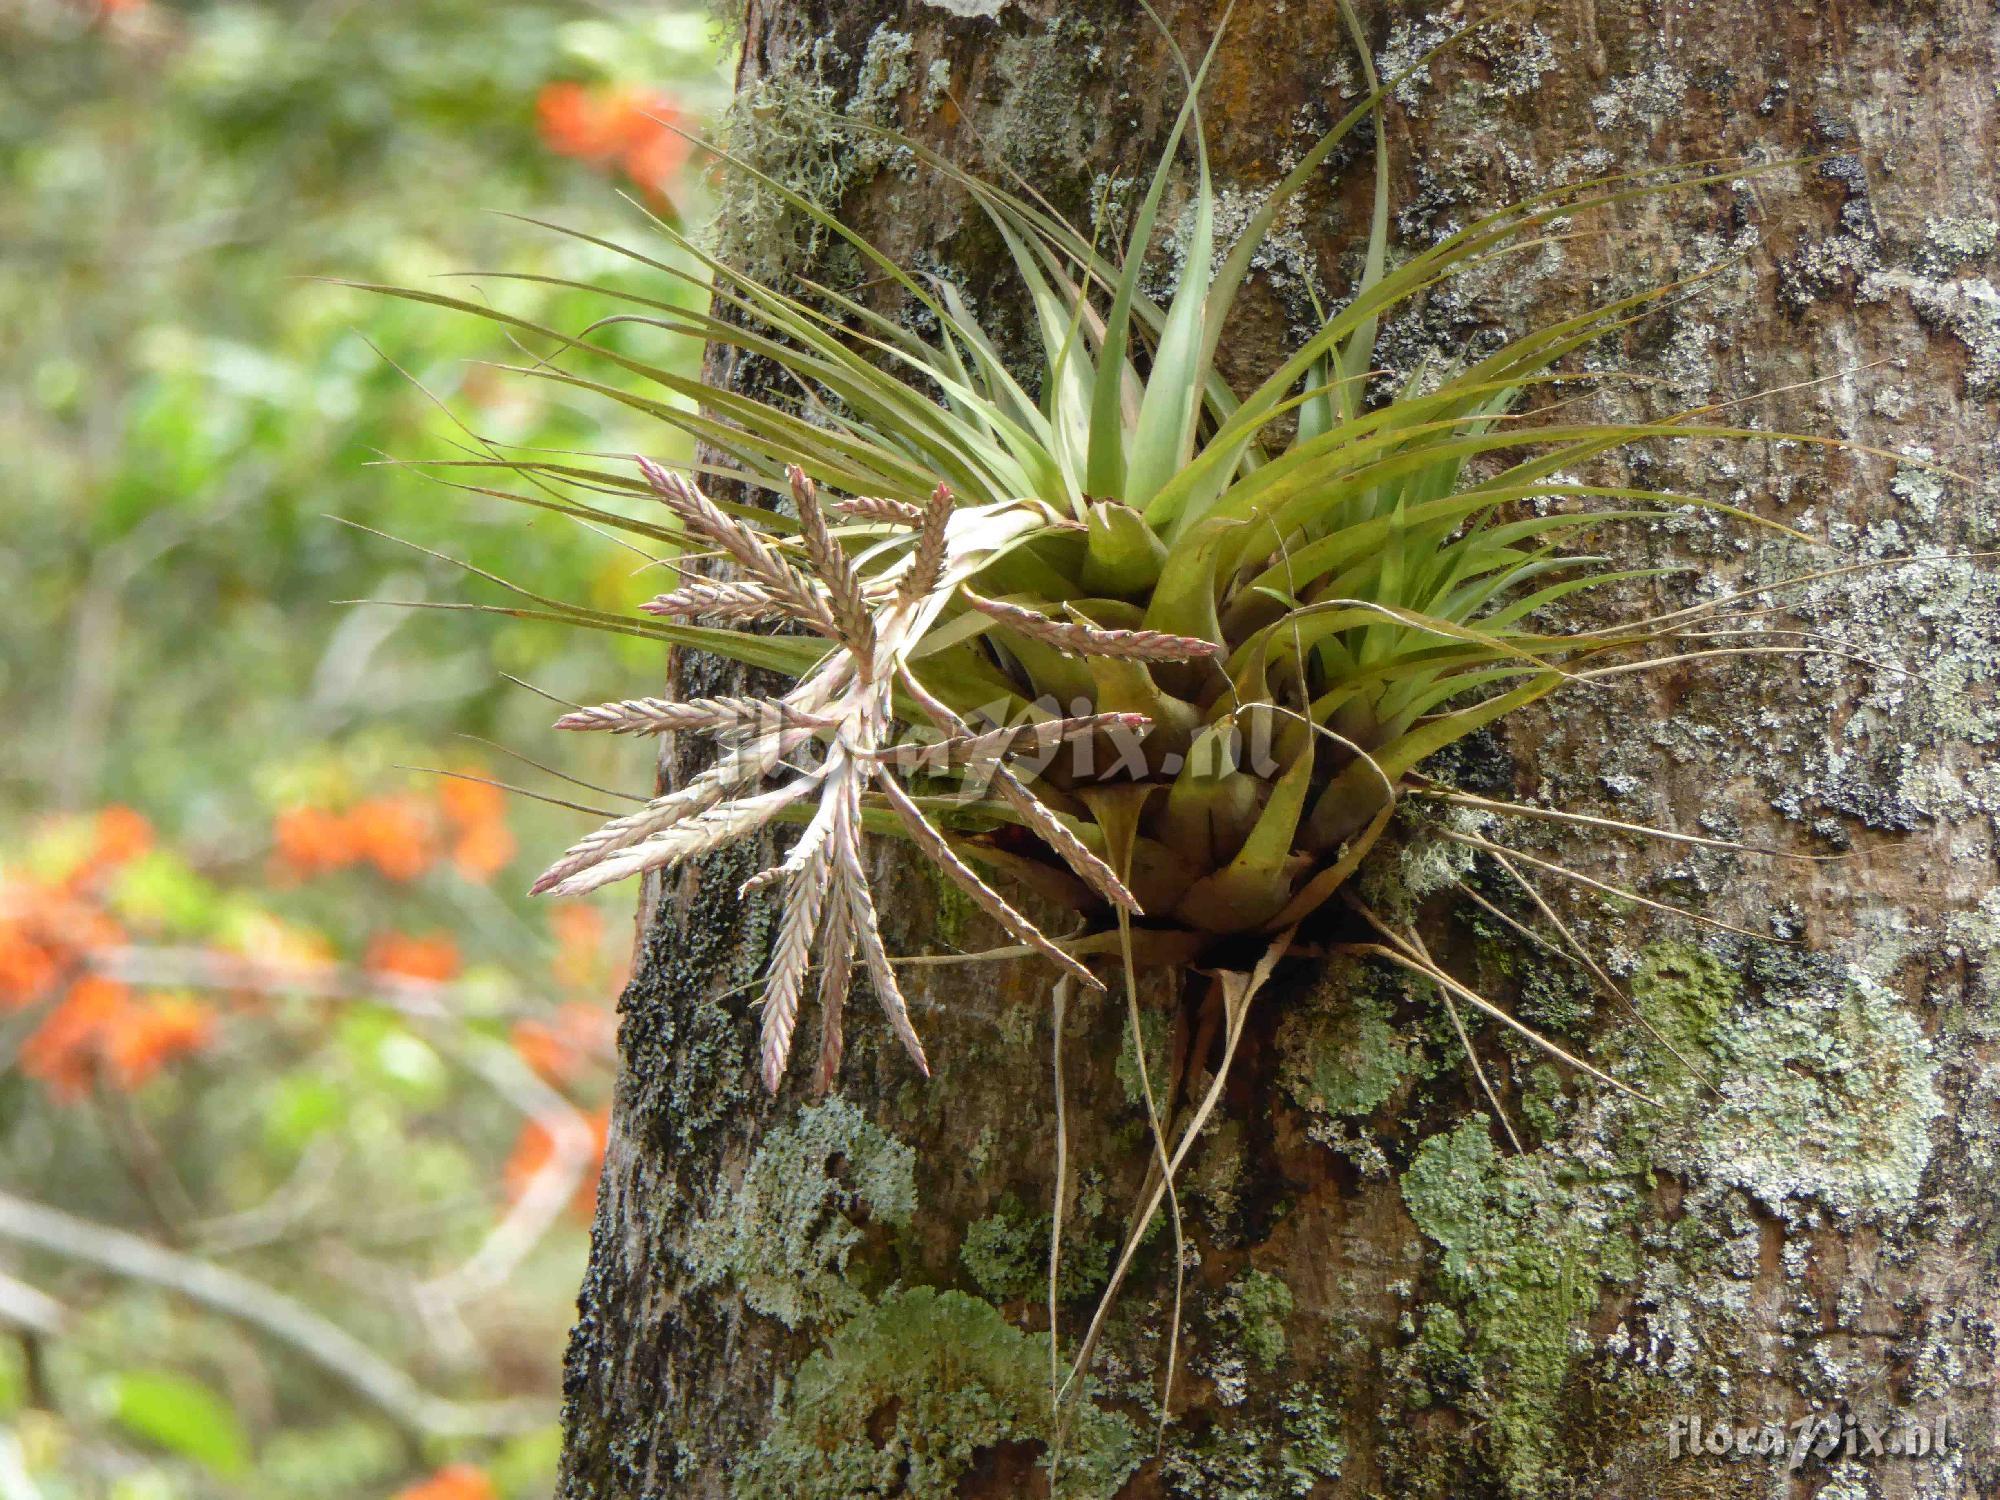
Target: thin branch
<point>572,1145</point>
<point>291,1323</point>
<point>31,1310</point>
<point>205,969</point>
<point>282,1211</point>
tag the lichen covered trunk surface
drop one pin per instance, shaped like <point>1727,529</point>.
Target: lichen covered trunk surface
<point>848,1297</point>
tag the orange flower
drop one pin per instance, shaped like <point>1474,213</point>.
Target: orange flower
<point>148,1036</point>
<point>623,125</point>
<point>63,1052</point>
<point>452,1482</point>
<point>656,155</point>
<point>122,835</point>
<point>26,967</point>
<point>483,851</point>
<point>478,809</point>
<point>312,840</point>
<point>471,803</point>
<point>581,122</point>
<point>564,1046</point>
<point>393,834</point>
<point>432,957</point>
<point>531,1152</point>
<point>579,935</point>
<point>85,850</point>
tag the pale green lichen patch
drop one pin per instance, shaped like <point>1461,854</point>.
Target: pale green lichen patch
<point>1950,242</point>
<point>1524,1244</point>
<point>1682,990</point>
<point>1921,489</point>
<point>1046,72</point>
<point>1285,1458</point>
<point>1826,1093</point>
<point>1440,1351</point>
<point>1897,758</point>
<point>937,84</point>
<point>1646,98</point>
<point>1969,310</point>
<point>1338,1053</point>
<point>1408,43</point>
<point>1312,1449</point>
<point>1153,1029</point>
<point>1261,1305</point>
<point>1823,1104</point>
<point>1245,1329</point>
<point>784,1234</point>
<point>905,1397</point>
<point>1007,1253</point>
<point>1419,864</point>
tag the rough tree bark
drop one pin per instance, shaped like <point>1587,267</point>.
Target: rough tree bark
<point>847,1298</point>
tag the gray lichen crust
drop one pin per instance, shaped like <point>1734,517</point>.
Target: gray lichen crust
<point>783,1236</point>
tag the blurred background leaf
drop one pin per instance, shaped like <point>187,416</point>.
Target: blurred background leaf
<point>269,1003</point>
<point>180,1415</point>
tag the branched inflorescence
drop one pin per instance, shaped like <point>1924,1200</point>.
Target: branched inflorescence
<point>844,706</point>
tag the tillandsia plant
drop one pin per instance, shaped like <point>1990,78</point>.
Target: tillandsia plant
<point>1245,618</point>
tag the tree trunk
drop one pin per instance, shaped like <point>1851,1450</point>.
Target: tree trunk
<point>1382,1296</point>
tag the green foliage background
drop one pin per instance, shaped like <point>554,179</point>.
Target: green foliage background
<point>182,406</point>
